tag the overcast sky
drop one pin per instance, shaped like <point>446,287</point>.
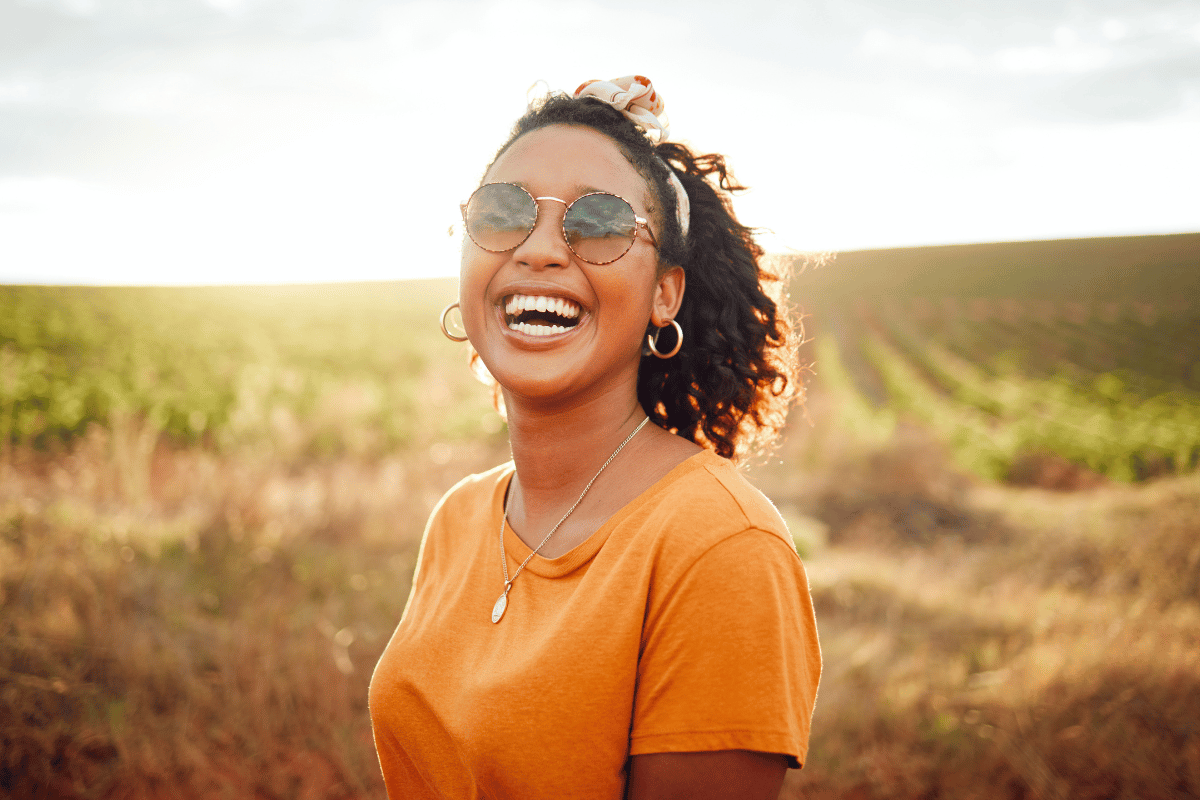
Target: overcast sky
<point>217,141</point>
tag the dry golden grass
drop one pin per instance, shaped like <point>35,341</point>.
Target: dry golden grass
<point>207,629</point>
<point>202,625</point>
<point>989,641</point>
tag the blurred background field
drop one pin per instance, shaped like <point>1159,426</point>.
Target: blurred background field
<point>211,499</point>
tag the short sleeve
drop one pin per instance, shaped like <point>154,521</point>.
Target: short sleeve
<point>730,658</point>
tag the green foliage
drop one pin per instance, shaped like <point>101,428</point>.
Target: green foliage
<point>1096,361</point>
<point>1112,387</point>
<point>307,370</point>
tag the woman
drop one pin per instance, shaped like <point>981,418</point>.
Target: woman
<point>616,612</point>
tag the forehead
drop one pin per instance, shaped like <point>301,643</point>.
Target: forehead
<point>562,160</point>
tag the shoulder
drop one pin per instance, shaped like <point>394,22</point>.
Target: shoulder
<point>758,511</point>
<point>701,505</point>
<point>710,491</point>
<point>469,503</point>
<point>474,489</point>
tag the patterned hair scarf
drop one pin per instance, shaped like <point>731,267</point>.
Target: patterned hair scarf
<point>634,96</point>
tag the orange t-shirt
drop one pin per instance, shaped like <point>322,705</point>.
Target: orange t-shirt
<point>683,624</point>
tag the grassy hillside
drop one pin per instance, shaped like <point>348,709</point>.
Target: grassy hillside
<point>1154,269</point>
<point>1019,355</point>
<point>1083,350</point>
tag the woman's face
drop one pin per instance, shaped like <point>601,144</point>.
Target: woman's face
<point>604,308</point>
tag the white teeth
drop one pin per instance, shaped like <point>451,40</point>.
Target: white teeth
<point>559,305</point>
<point>536,330</point>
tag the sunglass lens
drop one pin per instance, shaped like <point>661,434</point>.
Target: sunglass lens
<point>600,227</point>
<point>500,216</point>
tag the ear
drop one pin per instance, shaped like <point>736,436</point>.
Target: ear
<point>668,297</point>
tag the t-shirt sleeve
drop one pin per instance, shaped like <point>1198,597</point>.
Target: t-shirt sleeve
<point>730,658</point>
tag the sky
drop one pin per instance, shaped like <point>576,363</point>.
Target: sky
<point>261,141</point>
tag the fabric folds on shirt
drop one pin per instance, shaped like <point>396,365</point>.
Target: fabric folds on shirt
<point>683,624</point>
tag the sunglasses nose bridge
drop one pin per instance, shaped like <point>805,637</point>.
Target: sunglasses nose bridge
<point>552,253</point>
<point>561,221</point>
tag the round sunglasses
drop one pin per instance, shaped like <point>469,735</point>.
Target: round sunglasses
<point>598,227</point>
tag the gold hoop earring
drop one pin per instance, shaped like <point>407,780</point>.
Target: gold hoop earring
<point>447,333</point>
<point>652,341</point>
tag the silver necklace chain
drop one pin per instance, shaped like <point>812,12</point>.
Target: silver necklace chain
<point>502,603</point>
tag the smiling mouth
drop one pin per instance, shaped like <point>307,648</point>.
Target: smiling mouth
<point>540,315</point>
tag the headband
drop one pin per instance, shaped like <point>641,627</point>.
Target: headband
<point>634,96</point>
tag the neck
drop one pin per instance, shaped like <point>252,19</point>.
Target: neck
<point>558,450</point>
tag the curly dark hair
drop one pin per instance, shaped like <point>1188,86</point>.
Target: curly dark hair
<point>730,385</point>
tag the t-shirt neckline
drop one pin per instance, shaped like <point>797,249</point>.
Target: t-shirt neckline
<point>516,549</point>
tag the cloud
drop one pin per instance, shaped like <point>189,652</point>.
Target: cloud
<point>879,44</point>
<point>1137,91</point>
<point>1066,58</point>
<point>26,29</point>
<point>1054,62</point>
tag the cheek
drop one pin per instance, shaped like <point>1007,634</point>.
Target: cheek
<point>473,277</point>
<point>631,299</point>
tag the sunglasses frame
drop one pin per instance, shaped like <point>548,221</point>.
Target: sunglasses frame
<point>640,223</point>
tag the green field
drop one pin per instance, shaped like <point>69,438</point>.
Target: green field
<point>315,370</point>
<point>1088,351</point>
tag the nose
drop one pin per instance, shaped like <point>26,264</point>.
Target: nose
<point>545,246</point>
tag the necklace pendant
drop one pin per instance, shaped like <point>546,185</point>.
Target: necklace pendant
<point>498,609</point>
